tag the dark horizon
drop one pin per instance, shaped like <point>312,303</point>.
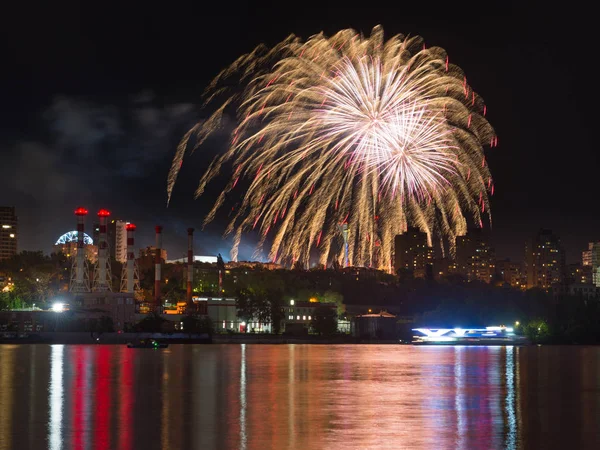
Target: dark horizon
<point>97,102</point>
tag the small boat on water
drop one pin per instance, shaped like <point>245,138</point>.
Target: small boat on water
<point>148,343</point>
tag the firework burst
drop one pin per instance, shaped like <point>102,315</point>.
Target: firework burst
<point>379,135</point>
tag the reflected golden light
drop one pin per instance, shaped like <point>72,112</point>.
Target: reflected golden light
<point>6,395</point>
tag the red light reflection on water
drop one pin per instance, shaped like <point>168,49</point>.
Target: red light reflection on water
<point>126,392</point>
<point>103,400</point>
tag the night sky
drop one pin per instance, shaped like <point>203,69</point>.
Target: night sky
<point>96,98</point>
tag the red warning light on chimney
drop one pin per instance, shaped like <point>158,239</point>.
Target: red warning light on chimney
<point>103,213</point>
<point>81,211</point>
<point>130,227</point>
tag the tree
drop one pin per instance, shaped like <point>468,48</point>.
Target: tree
<point>333,297</point>
<point>324,321</point>
<point>537,330</point>
<point>152,323</point>
<point>194,324</point>
<point>276,311</point>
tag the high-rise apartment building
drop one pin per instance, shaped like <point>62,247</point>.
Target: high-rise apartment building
<point>120,239</point>
<point>475,258</point>
<point>544,260</point>
<point>8,232</point>
<point>510,273</point>
<point>590,260</point>
<point>111,237</point>
<point>411,253</point>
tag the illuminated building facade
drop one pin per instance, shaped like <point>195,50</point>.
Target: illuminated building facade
<point>67,245</point>
<point>120,252</point>
<point>412,254</point>
<point>510,273</point>
<point>591,262</point>
<point>544,260</point>
<point>8,232</point>
<point>475,258</point>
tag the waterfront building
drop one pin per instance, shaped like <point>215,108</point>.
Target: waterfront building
<point>8,232</point>
<point>381,325</point>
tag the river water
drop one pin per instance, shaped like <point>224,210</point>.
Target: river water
<point>299,397</point>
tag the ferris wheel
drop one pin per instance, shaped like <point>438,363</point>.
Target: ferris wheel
<point>71,236</point>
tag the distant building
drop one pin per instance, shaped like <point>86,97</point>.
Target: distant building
<point>67,245</point>
<point>196,258</point>
<point>412,253</point>
<point>510,273</point>
<point>584,290</point>
<point>69,249</point>
<point>301,313</point>
<point>223,314</point>
<point>150,252</point>
<point>380,325</point>
<point>475,258</point>
<point>120,237</point>
<point>8,232</point>
<point>591,262</point>
<point>253,265</point>
<point>443,267</point>
<point>544,260</point>
<point>578,273</point>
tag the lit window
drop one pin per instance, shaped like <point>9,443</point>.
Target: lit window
<point>303,317</point>
<point>309,318</point>
<point>290,317</point>
<point>292,302</point>
<point>297,317</point>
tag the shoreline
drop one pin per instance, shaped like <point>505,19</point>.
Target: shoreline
<point>87,338</point>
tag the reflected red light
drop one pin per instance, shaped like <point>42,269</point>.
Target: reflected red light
<point>81,211</point>
<point>103,213</point>
<point>103,398</point>
<point>130,227</point>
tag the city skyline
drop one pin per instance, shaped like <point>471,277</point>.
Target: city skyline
<point>101,131</point>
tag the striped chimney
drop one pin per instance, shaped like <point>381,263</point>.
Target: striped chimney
<point>190,267</point>
<point>80,262</point>
<point>130,255</point>
<point>157,268</point>
<point>103,282</point>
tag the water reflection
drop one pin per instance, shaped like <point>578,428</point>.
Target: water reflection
<point>511,417</point>
<point>261,396</point>
<point>55,397</point>
<point>243,399</point>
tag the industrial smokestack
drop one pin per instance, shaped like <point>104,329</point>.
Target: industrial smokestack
<point>130,256</point>
<point>157,268</point>
<point>80,281</point>
<point>103,276</point>
<point>190,267</point>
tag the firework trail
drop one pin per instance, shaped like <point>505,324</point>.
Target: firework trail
<point>376,134</point>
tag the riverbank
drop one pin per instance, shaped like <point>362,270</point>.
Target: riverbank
<point>69,338</point>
